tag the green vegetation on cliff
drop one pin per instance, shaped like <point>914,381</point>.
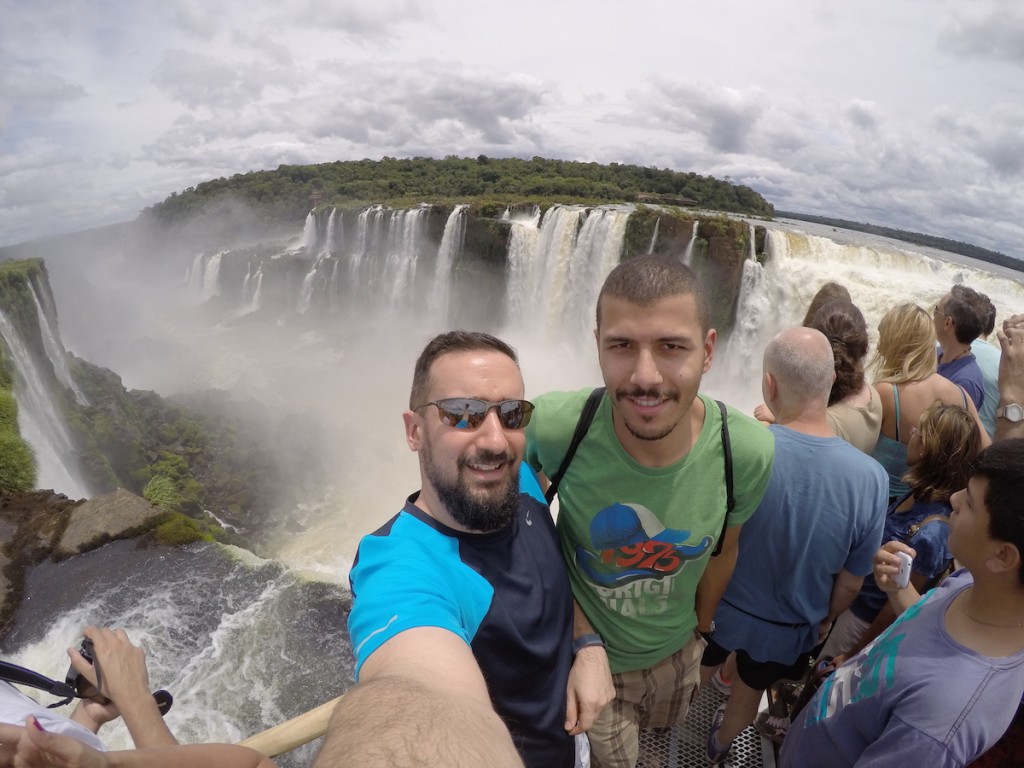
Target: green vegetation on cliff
<point>288,192</point>
<point>17,460</point>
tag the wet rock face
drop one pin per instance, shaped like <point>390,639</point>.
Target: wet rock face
<point>116,515</point>
<point>40,525</point>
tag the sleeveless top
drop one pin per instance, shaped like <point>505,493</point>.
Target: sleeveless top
<point>892,454</point>
<point>859,425</point>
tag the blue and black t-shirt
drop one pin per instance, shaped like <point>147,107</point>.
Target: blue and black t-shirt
<point>505,593</point>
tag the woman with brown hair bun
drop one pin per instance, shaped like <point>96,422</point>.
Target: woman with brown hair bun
<point>854,407</point>
<point>828,293</point>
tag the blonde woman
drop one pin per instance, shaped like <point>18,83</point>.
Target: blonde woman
<point>905,366</point>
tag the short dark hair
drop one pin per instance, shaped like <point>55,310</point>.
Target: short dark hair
<point>1002,464</point>
<point>646,279</point>
<point>990,319</point>
<point>844,327</point>
<point>966,308</point>
<point>447,343</point>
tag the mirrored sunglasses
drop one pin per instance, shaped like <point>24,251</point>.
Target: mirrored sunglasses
<point>469,412</point>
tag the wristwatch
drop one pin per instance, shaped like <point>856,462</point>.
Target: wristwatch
<point>1013,412</point>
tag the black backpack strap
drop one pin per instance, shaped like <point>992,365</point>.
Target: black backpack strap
<point>12,673</point>
<point>586,416</point>
<point>730,499</point>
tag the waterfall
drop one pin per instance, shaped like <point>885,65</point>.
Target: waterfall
<point>39,419</point>
<point>194,274</point>
<point>752,252</point>
<point>333,291</point>
<point>400,265</point>
<point>654,236</point>
<point>598,249</point>
<point>519,279</point>
<point>554,274</point>
<point>334,239</point>
<point>306,292</point>
<point>257,292</point>
<point>211,276</point>
<point>688,254</point>
<point>447,251</point>
<point>55,351</point>
<point>740,358</point>
<point>365,229</point>
<point>308,241</point>
<point>542,294</point>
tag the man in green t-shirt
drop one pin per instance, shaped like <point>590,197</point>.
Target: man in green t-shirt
<point>643,502</point>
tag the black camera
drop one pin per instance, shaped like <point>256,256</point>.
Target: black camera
<point>87,690</point>
<point>79,682</point>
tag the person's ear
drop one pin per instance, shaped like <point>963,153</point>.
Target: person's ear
<point>413,430</point>
<point>1004,557</point>
<point>769,388</point>
<point>709,348</point>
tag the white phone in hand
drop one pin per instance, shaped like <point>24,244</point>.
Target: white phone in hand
<point>902,578</point>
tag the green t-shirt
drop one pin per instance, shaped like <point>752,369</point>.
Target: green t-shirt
<point>637,539</point>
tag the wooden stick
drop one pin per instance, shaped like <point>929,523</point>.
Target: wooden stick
<point>293,733</point>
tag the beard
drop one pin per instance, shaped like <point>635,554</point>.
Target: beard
<point>484,510</point>
<point>645,430</point>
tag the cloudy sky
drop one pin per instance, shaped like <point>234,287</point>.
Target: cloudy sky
<point>908,113</point>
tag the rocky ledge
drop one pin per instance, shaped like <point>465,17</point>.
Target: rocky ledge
<point>37,525</point>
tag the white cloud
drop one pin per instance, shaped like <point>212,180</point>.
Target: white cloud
<point>906,113</point>
<point>986,31</point>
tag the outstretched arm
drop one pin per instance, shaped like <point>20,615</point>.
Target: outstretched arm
<point>124,680</point>
<point>421,700</point>
<point>32,747</point>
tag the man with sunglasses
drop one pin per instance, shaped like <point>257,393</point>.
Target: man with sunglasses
<point>643,503</point>
<point>462,615</point>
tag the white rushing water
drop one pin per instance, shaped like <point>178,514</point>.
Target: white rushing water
<point>232,647</point>
<point>39,419</point>
<point>55,350</point>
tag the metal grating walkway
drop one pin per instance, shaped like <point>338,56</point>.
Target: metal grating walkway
<point>683,746</point>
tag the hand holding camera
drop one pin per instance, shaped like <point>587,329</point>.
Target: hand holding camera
<point>893,565</point>
<point>109,670</point>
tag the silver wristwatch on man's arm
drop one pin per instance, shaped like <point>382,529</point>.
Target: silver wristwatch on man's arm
<point>1014,412</point>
